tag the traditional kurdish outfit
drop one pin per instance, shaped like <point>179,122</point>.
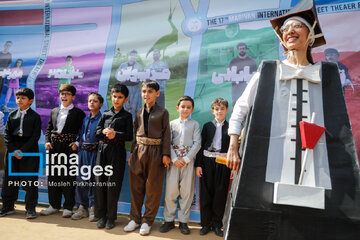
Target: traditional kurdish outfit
<point>180,181</point>
<point>215,179</point>
<point>63,127</point>
<point>146,171</point>
<point>111,152</point>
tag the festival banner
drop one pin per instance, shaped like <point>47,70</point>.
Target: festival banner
<point>190,47</point>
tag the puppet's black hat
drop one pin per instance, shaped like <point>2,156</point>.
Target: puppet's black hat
<point>305,9</point>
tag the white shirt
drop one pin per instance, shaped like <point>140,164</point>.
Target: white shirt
<point>20,133</point>
<point>218,135</point>
<point>61,118</point>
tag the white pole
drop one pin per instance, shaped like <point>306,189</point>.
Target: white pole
<point>303,165</point>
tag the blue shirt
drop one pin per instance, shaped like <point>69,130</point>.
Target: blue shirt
<point>88,129</point>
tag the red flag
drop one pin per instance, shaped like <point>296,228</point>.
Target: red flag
<point>310,134</point>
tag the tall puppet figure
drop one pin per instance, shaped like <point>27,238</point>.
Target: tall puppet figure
<point>283,191</point>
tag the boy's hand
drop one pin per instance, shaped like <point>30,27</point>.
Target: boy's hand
<point>129,160</point>
<point>166,161</point>
<point>110,133</point>
<point>73,146</point>
<point>48,146</point>
<point>233,158</point>
<point>105,131</point>
<point>180,162</point>
<point>232,175</point>
<point>199,172</point>
<point>16,154</point>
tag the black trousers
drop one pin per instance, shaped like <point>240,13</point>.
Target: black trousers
<point>61,181</point>
<point>11,184</point>
<point>214,185</point>
<point>108,188</point>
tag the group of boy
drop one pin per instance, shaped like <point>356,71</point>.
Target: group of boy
<point>161,148</point>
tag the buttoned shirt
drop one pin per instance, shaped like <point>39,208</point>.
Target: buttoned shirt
<point>61,118</point>
<point>20,133</point>
<point>218,135</point>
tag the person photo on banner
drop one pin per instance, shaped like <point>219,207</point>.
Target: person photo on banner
<point>69,68</point>
<point>13,82</point>
<point>134,99</point>
<point>5,62</point>
<point>159,66</point>
<point>333,55</point>
<point>241,63</point>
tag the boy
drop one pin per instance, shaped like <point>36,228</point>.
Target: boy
<point>149,153</point>
<point>115,127</point>
<point>180,178</point>
<point>63,127</point>
<point>22,132</point>
<point>214,177</point>
<point>88,144</point>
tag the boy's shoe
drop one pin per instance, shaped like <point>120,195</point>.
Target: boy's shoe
<point>218,232</point>
<point>110,223</point>
<point>80,213</point>
<point>31,214</point>
<point>101,223</point>
<point>92,217</point>
<point>131,226</point>
<point>204,230</point>
<point>50,210</point>
<point>67,213</point>
<point>184,229</point>
<point>167,226</point>
<point>145,229</point>
<point>6,211</point>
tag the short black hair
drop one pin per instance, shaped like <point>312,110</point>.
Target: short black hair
<point>133,52</point>
<point>186,98</point>
<point>120,88</point>
<point>25,92</point>
<point>151,84</point>
<point>331,50</point>
<point>241,44</point>
<point>101,99</point>
<point>68,87</point>
<point>219,101</point>
<point>68,57</point>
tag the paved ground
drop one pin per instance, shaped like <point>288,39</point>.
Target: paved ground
<point>54,227</point>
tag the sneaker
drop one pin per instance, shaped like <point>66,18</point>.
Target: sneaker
<point>50,210</point>
<point>31,214</point>
<point>80,213</point>
<point>167,226</point>
<point>145,229</point>
<point>6,211</point>
<point>218,232</point>
<point>184,229</point>
<point>92,217</point>
<point>205,230</point>
<point>132,225</point>
<point>66,213</point>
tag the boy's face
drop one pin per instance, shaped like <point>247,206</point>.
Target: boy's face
<point>66,98</point>
<point>94,103</point>
<point>23,102</point>
<point>149,95</point>
<point>68,61</point>
<point>185,108</point>
<point>220,111</point>
<point>118,99</point>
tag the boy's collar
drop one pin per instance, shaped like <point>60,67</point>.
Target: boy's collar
<point>222,122</point>
<point>71,106</point>
<point>24,111</point>
<point>113,109</point>
<point>183,120</point>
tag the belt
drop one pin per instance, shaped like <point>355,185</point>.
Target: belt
<point>65,137</point>
<point>90,147</point>
<point>181,150</point>
<point>213,154</point>
<point>148,141</point>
